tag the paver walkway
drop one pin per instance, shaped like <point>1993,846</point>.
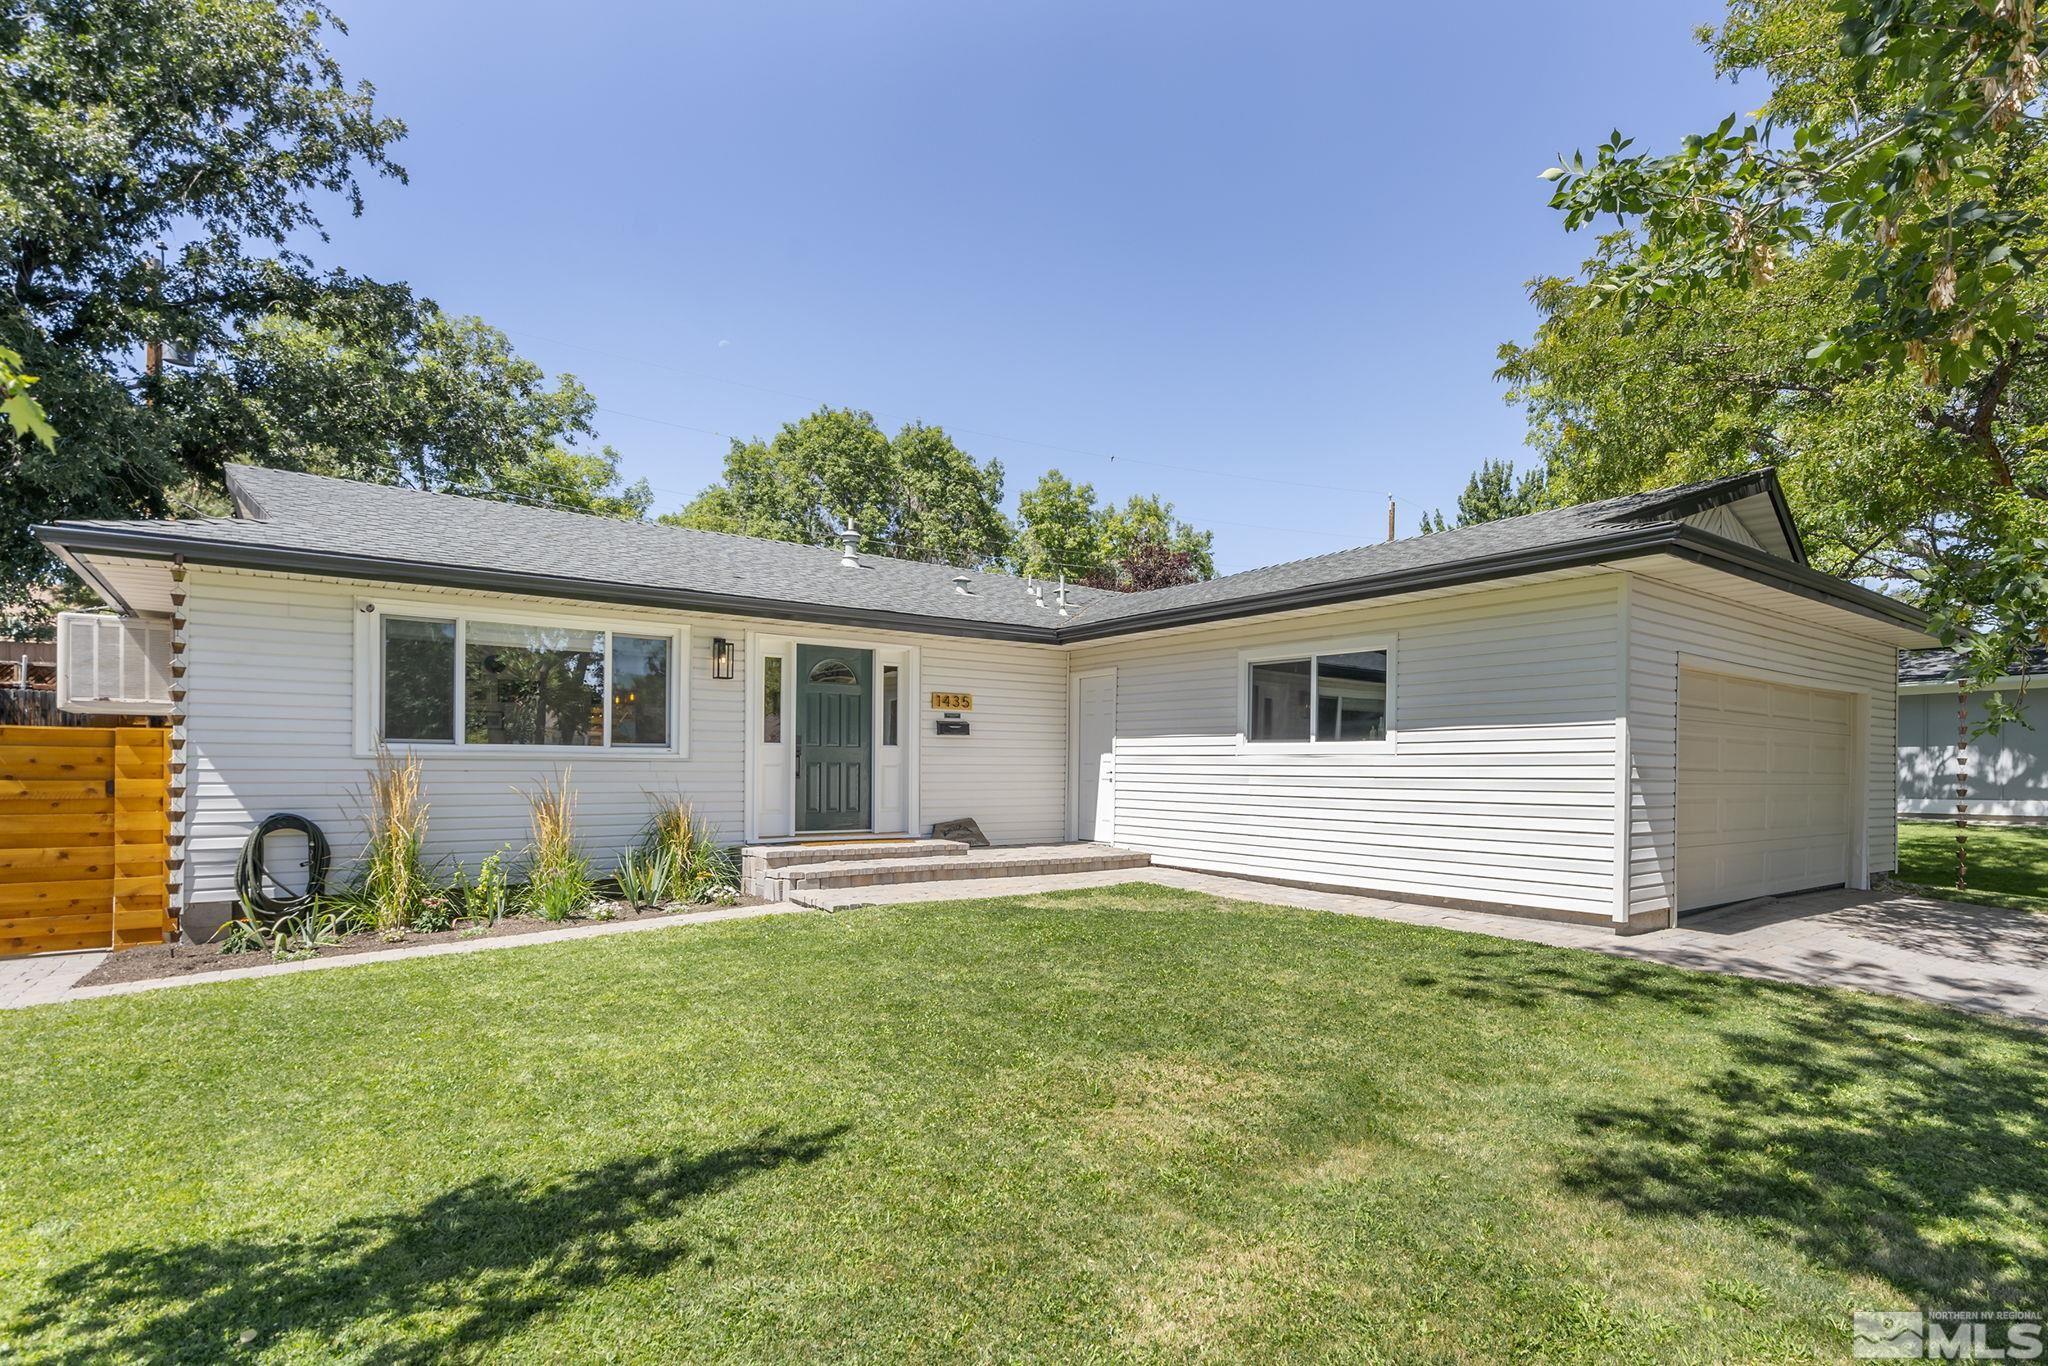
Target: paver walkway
<point>43,977</point>
<point>1950,953</point>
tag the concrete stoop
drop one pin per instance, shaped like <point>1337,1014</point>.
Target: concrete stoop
<point>832,874</point>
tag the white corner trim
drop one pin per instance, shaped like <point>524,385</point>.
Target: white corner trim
<point>1624,787</point>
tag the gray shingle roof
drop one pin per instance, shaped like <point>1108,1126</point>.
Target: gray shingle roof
<point>1511,536</point>
<point>311,523</point>
<point>1945,666</point>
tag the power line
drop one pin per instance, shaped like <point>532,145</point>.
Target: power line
<point>1409,503</point>
<point>707,431</point>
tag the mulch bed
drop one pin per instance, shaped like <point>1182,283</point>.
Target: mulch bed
<point>183,960</point>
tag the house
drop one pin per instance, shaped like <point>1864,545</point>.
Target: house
<point>1611,713</point>
<point>2005,775</point>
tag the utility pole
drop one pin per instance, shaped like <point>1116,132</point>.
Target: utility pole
<point>1390,516</point>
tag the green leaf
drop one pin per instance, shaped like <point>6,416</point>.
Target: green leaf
<point>25,415</point>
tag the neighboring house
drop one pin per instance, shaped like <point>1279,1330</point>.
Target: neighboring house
<point>1608,713</point>
<point>2006,774</point>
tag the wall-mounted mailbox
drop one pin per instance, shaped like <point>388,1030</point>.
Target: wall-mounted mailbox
<point>952,728</point>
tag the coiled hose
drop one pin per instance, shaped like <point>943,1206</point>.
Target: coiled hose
<point>249,869</point>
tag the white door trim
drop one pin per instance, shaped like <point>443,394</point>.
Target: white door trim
<point>1074,681</point>
<point>909,730</point>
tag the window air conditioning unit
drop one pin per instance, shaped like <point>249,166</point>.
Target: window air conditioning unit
<point>113,665</point>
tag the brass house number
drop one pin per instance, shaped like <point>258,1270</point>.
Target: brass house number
<point>952,701</point>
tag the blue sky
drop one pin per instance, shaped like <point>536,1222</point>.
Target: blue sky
<point>1262,254</point>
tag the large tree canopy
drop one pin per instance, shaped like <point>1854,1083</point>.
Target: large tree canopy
<point>1847,286</point>
<point>915,496</point>
<point>159,159</point>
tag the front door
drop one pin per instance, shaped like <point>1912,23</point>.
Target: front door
<point>834,739</point>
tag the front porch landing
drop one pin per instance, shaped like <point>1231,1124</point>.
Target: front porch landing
<point>837,876</point>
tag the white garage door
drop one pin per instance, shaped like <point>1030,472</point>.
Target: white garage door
<point>1764,789</point>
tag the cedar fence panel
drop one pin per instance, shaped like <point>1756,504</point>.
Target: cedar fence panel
<point>84,837</point>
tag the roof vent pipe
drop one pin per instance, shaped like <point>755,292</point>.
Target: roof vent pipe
<point>849,542</point>
<point>1037,592</point>
<point>960,582</point>
<point>1060,593</point>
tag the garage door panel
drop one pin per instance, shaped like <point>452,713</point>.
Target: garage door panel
<point>1745,752</point>
<point>1765,792</point>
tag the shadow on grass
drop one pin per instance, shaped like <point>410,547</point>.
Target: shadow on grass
<point>449,1278</point>
<point>1875,1138</point>
<point>1903,1147</point>
<point>1508,977</point>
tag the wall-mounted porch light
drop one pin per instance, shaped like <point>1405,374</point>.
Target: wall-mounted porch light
<point>721,657</point>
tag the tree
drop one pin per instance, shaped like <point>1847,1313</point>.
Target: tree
<point>917,496</point>
<point>221,129</point>
<point>1145,529</point>
<point>1133,548</point>
<point>377,385</point>
<point>1059,529</point>
<point>1493,493</point>
<point>24,415</point>
<point>1148,565</point>
<point>1890,196</point>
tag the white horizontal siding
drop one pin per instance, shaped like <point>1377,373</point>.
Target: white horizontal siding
<point>271,677</point>
<point>1500,786</point>
<point>1740,634</point>
<point>1010,771</point>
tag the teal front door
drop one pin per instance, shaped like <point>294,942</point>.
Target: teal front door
<point>835,743</point>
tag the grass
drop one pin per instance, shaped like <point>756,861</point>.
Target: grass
<point>1131,1122</point>
<point>2008,865</point>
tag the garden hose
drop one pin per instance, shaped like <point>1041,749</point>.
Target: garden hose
<point>249,869</point>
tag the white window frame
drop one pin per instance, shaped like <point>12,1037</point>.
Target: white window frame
<point>1309,649</point>
<point>369,679</point>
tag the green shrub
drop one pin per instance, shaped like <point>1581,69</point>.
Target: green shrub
<point>304,933</point>
<point>645,876</point>
<point>244,933</point>
<point>486,900</point>
<point>559,882</point>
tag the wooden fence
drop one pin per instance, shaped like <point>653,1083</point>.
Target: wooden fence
<point>84,837</point>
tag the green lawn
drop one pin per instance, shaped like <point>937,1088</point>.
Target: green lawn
<point>2008,865</point>
<point>1134,1122</point>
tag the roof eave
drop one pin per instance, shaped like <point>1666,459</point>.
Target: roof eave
<point>1760,566</point>
<point>1668,538</point>
<point>1635,540</point>
<point>1672,538</point>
